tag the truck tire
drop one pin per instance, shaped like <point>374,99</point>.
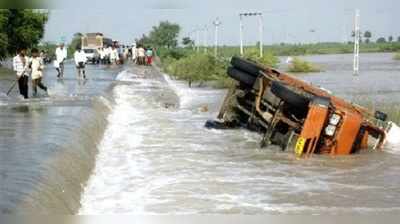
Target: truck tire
<point>242,77</point>
<point>290,97</point>
<point>246,66</point>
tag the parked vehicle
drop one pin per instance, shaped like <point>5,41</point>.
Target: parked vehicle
<point>92,55</point>
<point>297,116</point>
<point>91,42</point>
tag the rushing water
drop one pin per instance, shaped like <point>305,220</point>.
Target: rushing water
<point>137,145</point>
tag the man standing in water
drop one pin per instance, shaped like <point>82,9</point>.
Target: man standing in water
<point>80,62</point>
<point>61,55</point>
<point>21,66</point>
<point>37,71</point>
<point>114,56</point>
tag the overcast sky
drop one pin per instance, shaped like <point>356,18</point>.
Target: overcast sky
<point>284,20</point>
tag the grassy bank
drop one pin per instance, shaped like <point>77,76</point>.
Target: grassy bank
<point>319,48</point>
<point>300,66</point>
<point>204,68</point>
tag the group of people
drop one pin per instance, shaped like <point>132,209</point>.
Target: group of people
<point>33,66</point>
<point>116,55</point>
<point>26,67</point>
<point>110,55</point>
<point>142,56</point>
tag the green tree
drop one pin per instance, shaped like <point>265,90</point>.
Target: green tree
<point>143,41</point>
<point>25,28</point>
<point>390,39</point>
<point>187,42</point>
<point>381,40</point>
<point>367,36</point>
<point>3,33</point>
<point>398,39</point>
<point>165,35</point>
<point>76,42</point>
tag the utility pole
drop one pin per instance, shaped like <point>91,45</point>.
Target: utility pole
<point>205,30</point>
<point>356,65</point>
<point>260,27</point>
<point>198,40</point>
<point>216,23</point>
<point>241,34</point>
<point>261,30</point>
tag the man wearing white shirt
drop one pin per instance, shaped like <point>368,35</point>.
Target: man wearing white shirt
<point>80,62</point>
<point>114,55</point>
<point>61,55</point>
<point>21,67</point>
<point>107,53</point>
<point>141,55</point>
<point>102,55</point>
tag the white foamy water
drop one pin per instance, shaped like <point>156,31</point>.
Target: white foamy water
<point>154,160</point>
<point>393,136</point>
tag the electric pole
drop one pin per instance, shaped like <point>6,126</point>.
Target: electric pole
<point>241,34</point>
<point>261,30</point>
<point>356,65</point>
<point>198,40</point>
<point>205,32</point>
<point>216,23</point>
<point>260,27</point>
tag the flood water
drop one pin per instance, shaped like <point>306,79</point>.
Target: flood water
<point>130,141</point>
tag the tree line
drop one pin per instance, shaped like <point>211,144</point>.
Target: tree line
<point>367,35</point>
<point>20,28</point>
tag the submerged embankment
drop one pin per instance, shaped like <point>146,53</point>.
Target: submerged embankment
<point>133,142</point>
<point>48,144</point>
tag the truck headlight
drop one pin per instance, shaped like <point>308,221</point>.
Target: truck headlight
<point>335,119</point>
<point>330,130</point>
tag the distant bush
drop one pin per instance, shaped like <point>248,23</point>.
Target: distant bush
<point>268,59</point>
<point>300,66</point>
<point>176,53</point>
<point>196,67</point>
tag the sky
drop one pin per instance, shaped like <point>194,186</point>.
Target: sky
<point>284,20</point>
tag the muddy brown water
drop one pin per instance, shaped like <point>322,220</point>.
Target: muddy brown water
<point>133,142</point>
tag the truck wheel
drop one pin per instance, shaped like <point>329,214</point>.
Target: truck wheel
<point>289,96</point>
<point>241,76</point>
<point>246,66</point>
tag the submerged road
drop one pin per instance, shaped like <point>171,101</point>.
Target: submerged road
<point>131,141</point>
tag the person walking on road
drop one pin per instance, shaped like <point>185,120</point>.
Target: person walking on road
<point>21,67</point>
<point>37,66</point>
<point>80,62</point>
<point>149,56</point>
<point>61,55</point>
<point>102,54</point>
<point>114,55</point>
<point>134,54</point>
<point>141,55</point>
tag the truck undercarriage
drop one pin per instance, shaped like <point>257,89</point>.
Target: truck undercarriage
<point>295,115</point>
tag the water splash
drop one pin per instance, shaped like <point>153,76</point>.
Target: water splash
<point>393,137</point>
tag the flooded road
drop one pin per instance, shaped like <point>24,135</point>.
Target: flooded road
<point>133,142</point>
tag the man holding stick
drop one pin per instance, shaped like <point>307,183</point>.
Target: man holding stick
<point>21,66</point>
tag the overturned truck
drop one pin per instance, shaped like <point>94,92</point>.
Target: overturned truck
<point>296,115</point>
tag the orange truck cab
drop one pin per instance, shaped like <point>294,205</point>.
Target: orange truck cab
<point>296,115</point>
